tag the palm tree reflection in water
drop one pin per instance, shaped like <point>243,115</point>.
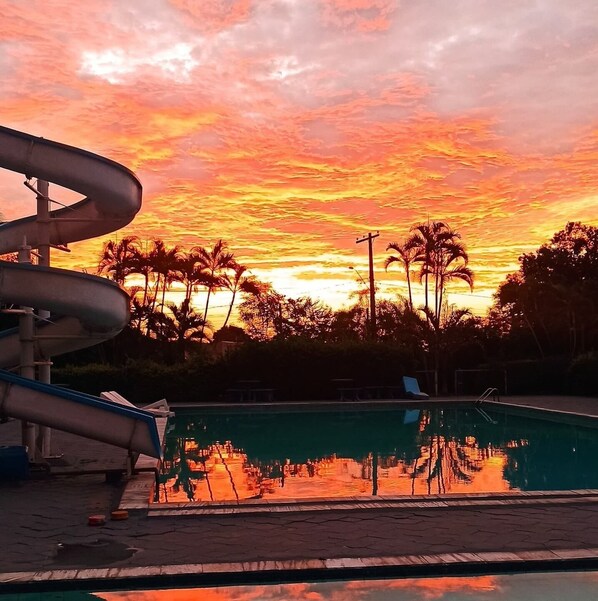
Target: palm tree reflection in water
<point>237,458</point>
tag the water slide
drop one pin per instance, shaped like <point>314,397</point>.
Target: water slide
<point>84,309</point>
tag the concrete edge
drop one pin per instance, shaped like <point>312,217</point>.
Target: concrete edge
<point>473,500</point>
<point>548,413</point>
<point>299,570</point>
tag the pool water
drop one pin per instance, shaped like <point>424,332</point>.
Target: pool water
<point>226,456</point>
<point>554,586</point>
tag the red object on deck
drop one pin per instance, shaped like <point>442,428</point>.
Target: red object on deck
<point>96,520</point>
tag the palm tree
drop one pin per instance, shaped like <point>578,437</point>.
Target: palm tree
<point>449,262</point>
<point>454,272</point>
<point>214,262</point>
<point>117,258</point>
<point>239,282</point>
<point>406,256</point>
<point>191,273</point>
<point>423,240</point>
<point>443,258</point>
<point>138,309</point>
<point>184,325</point>
<point>142,265</point>
<point>164,262</point>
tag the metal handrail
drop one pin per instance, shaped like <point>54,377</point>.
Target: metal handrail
<point>489,392</point>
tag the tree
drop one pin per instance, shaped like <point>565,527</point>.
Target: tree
<point>407,253</point>
<point>139,310</point>
<point>236,282</point>
<point>553,294</point>
<point>349,325</point>
<point>397,322</point>
<point>423,240</point>
<point>261,312</point>
<point>118,258</point>
<point>516,302</point>
<point>163,261</point>
<point>191,272</point>
<point>141,265</point>
<point>214,262</point>
<point>269,314</point>
<point>181,326</point>
<point>230,334</point>
<point>442,258</point>
<point>305,317</point>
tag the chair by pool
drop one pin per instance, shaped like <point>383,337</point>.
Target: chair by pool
<point>412,390</point>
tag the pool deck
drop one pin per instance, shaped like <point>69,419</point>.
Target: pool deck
<point>47,543</point>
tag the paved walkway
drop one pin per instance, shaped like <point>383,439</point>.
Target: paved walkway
<point>45,528</point>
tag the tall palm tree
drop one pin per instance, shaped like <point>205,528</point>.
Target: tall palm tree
<point>117,258</point>
<point>443,258</point>
<point>239,282</point>
<point>215,262</point>
<point>453,271</point>
<point>406,256</point>
<point>142,265</point>
<point>448,256</point>
<point>164,263</point>
<point>423,239</point>
<point>141,310</point>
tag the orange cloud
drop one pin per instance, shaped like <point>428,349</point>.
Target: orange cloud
<point>289,132</point>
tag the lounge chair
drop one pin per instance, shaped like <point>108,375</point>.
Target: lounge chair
<point>412,390</point>
<point>159,408</point>
<point>411,416</point>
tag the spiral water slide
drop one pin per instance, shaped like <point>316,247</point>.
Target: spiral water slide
<point>84,310</point>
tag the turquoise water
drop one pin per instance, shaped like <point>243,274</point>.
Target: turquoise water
<point>217,456</point>
<point>556,586</point>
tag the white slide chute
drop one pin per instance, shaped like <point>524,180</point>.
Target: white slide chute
<point>85,310</point>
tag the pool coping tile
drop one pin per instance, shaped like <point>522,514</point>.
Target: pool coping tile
<point>407,565</point>
<point>469,500</point>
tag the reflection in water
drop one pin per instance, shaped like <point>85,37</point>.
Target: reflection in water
<point>511,587</point>
<point>237,457</point>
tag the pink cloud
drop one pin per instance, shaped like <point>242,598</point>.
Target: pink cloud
<point>214,15</point>
<point>362,16</point>
<point>283,128</point>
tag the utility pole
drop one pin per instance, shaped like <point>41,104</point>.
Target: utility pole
<point>370,238</point>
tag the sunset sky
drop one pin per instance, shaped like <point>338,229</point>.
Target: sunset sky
<point>290,128</point>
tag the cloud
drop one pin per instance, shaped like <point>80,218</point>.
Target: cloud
<point>358,15</point>
<point>214,15</point>
<point>291,127</point>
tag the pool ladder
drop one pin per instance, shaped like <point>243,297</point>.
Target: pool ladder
<point>489,392</point>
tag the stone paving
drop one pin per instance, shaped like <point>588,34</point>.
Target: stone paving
<point>45,527</point>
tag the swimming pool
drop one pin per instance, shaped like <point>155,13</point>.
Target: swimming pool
<point>553,586</point>
<point>290,455</point>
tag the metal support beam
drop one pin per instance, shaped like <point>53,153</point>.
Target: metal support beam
<point>27,359</point>
<point>44,365</point>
